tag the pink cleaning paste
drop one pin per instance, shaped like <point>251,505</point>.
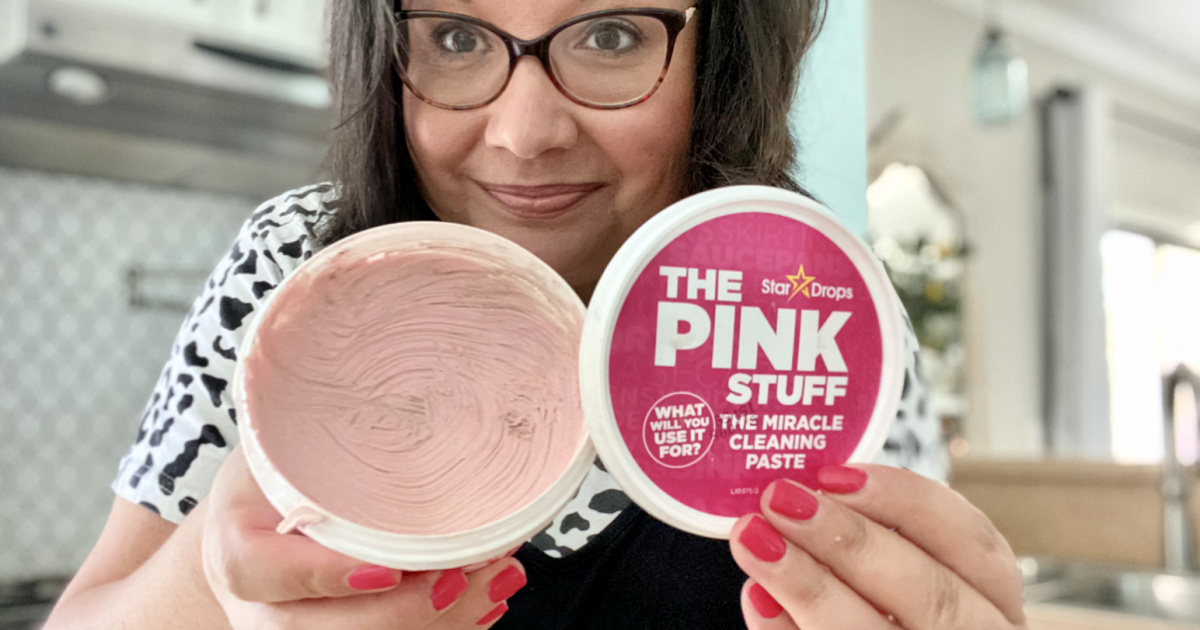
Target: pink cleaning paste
<point>747,350</point>
<point>424,391</point>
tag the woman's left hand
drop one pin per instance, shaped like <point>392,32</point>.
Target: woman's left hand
<point>877,548</point>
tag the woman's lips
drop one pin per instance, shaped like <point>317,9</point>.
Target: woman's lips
<point>539,201</point>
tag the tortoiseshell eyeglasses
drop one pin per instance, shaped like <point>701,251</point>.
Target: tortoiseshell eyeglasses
<point>605,60</point>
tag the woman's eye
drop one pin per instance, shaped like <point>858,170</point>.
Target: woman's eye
<point>611,38</point>
<point>459,40</point>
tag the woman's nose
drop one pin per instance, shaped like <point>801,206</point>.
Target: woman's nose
<point>531,117</point>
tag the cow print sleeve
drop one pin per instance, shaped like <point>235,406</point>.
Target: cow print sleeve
<point>915,438</point>
<point>189,424</point>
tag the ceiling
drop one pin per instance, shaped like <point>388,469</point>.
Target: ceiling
<point>1153,42</point>
<point>1165,28</point>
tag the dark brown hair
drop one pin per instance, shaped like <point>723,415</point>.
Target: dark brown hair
<point>748,59</point>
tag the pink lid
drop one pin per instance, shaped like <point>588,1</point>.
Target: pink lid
<point>741,336</point>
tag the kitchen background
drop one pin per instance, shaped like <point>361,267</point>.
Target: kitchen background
<point>1034,188</point>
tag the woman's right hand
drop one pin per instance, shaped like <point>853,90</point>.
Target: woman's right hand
<point>265,580</point>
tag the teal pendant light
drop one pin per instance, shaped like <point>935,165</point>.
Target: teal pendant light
<point>1000,78</point>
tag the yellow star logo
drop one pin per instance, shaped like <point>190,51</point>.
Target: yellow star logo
<point>800,283</point>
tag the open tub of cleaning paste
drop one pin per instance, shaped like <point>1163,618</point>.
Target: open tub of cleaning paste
<point>740,336</point>
<point>409,396</point>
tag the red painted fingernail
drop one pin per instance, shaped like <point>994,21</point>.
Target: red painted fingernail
<point>841,479</point>
<point>792,501</point>
<point>762,540</point>
<point>493,615</point>
<point>506,584</point>
<point>766,605</point>
<point>448,588</point>
<point>370,577</point>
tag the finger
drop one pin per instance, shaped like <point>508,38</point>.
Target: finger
<point>414,603</point>
<point>471,568</point>
<point>278,568</point>
<point>761,611</point>
<point>241,497</point>
<point>811,596</point>
<point>257,564</point>
<point>408,605</point>
<point>486,599</point>
<point>888,571</point>
<point>938,520</point>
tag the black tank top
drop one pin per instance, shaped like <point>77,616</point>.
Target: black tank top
<point>636,573</point>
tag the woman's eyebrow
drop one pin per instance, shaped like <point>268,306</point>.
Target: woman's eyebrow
<point>472,2</point>
<point>433,4</point>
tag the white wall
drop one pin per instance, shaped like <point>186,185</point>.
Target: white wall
<point>919,61</point>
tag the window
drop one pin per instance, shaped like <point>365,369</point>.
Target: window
<point>1152,310</point>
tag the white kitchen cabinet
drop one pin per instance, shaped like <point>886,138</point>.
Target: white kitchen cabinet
<point>281,20</point>
<point>194,13</point>
<point>295,29</point>
<point>290,30</point>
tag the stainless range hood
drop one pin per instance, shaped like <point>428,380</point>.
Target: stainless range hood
<point>98,91</point>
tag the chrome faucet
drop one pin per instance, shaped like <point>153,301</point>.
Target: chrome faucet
<point>1178,552</point>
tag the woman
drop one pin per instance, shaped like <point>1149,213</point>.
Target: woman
<point>567,156</point>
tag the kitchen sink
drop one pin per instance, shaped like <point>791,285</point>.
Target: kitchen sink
<point>1162,595</point>
<point>1036,571</point>
<point>1165,596</point>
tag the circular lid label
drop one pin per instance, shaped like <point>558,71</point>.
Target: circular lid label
<point>747,350</point>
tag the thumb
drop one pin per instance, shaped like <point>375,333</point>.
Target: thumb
<point>248,558</point>
<point>273,567</point>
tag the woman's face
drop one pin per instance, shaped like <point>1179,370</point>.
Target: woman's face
<point>567,182</point>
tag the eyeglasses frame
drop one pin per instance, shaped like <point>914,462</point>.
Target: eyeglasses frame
<point>539,47</point>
